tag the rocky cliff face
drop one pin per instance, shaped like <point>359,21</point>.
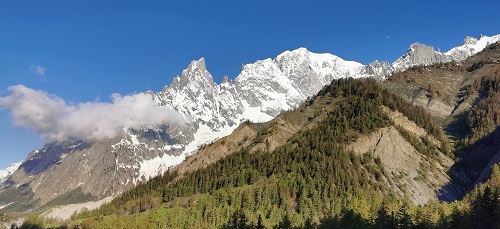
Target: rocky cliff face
<point>407,169</point>
<point>261,91</point>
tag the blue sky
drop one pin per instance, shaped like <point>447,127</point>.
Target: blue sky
<point>87,50</point>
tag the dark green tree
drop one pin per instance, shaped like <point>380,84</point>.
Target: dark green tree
<point>33,222</point>
<point>259,223</point>
<point>285,223</point>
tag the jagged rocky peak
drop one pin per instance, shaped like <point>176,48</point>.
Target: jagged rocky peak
<point>200,100</point>
<point>418,50</point>
<point>227,84</point>
<point>377,64</point>
<point>196,65</point>
<point>377,69</point>
<point>418,54</point>
<point>226,80</point>
<point>195,73</point>
<point>471,40</point>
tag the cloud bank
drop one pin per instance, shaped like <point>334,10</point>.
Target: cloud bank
<point>56,121</point>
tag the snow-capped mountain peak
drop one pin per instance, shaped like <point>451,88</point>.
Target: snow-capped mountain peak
<point>471,47</point>
<point>226,80</point>
<point>195,75</point>
<point>471,40</point>
<point>5,173</point>
<point>196,66</point>
<point>299,53</point>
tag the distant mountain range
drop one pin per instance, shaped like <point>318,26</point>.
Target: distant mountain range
<point>90,170</point>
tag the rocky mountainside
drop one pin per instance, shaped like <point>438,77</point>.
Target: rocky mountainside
<point>463,98</point>
<point>81,171</point>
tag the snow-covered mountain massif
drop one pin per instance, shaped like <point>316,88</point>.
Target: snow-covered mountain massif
<point>97,169</point>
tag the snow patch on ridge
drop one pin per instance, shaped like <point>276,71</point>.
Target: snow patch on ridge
<point>130,143</point>
<point>153,167</point>
<point>72,147</point>
<point>3,206</point>
<point>254,114</point>
<point>158,165</point>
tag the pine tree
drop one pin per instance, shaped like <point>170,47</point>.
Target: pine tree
<point>259,223</point>
<point>383,219</point>
<point>308,224</point>
<point>285,223</point>
<point>404,218</point>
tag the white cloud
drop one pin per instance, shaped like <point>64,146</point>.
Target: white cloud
<point>55,120</point>
<point>387,37</point>
<point>38,69</point>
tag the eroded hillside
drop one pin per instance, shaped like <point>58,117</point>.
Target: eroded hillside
<point>464,98</point>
